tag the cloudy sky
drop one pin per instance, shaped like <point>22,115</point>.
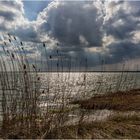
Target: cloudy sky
<point>97,31</point>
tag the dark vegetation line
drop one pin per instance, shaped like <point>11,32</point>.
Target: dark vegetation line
<point>75,71</point>
<point>94,71</point>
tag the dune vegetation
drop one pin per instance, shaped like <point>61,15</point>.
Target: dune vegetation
<point>29,108</point>
<point>120,101</point>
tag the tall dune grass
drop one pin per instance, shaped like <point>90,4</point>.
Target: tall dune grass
<point>21,93</point>
<point>26,102</point>
<point>18,87</point>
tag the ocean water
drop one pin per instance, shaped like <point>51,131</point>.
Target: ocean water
<point>65,87</point>
<point>91,83</point>
<point>55,89</point>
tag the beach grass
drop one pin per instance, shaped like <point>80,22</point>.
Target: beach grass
<point>20,99</point>
<point>121,101</point>
<point>115,126</point>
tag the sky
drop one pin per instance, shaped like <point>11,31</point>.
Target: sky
<point>97,31</point>
<point>32,8</point>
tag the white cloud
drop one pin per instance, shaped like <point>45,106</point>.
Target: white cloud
<point>136,36</point>
<point>12,14</point>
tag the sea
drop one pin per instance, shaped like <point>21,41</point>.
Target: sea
<point>57,88</point>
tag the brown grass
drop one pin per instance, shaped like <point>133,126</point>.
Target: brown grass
<point>121,101</point>
<point>115,127</point>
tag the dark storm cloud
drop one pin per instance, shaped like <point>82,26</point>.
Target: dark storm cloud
<point>7,15</point>
<point>122,30</point>
<point>120,51</point>
<point>124,20</point>
<point>67,21</point>
<point>79,25</point>
<point>3,28</point>
<point>26,33</point>
<point>135,8</point>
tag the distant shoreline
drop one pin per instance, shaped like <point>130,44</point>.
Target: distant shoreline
<point>74,71</point>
